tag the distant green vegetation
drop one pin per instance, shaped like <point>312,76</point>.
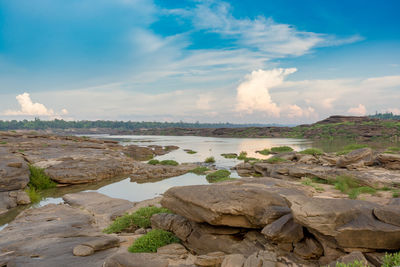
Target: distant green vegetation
<point>201,170</point>
<point>209,160</point>
<point>219,176</point>
<point>385,116</point>
<point>163,162</point>
<point>347,149</point>
<point>153,240</point>
<point>276,160</point>
<point>229,155</point>
<point>393,150</point>
<point>38,124</point>
<point>281,149</point>
<point>3,142</point>
<point>189,151</point>
<point>38,179</point>
<point>138,219</point>
<point>312,151</point>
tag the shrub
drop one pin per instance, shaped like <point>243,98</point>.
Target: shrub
<point>391,259</point>
<point>38,179</point>
<point>242,155</point>
<point>229,156</point>
<point>201,170</point>
<point>347,149</point>
<point>138,219</point>
<point>209,160</point>
<point>312,151</point>
<point>275,160</point>
<point>153,162</point>
<point>169,162</point>
<point>34,196</point>
<point>265,152</point>
<point>218,176</point>
<point>153,240</point>
<point>281,149</point>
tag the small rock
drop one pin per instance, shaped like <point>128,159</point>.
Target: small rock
<point>233,260</point>
<point>349,258</point>
<point>23,198</point>
<point>15,164</point>
<point>82,251</point>
<point>140,231</point>
<point>213,259</point>
<point>308,249</point>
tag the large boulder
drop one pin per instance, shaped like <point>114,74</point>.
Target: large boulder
<point>389,161</point>
<point>349,223</point>
<point>14,172</point>
<point>362,156</point>
<point>284,230</point>
<point>248,203</point>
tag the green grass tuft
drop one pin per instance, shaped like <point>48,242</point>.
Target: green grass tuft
<point>352,264</point>
<point>189,151</point>
<point>3,143</point>
<point>169,162</point>
<point>153,240</point>
<point>229,156</point>
<point>264,152</point>
<point>391,259</point>
<point>281,149</point>
<point>138,219</point>
<point>242,155</point>
<point>219,176</point>
<point>39,180</point>
<point>209,160</point>
<point>34,196</point>
<point>348,185</point>
<point>312,151</point>
<point>276,160</point>
<point>153,162</point>
<point>201,170</point>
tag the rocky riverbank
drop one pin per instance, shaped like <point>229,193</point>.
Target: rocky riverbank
<point>70,160</point>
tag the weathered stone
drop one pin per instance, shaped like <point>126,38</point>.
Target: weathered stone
<point>248,203</point>
<point>349,222</point>
<point>126,259</point>
<point>23,198</point>
<point>389,161</point>
<point>364,155</point>
<point>233,260</point>
<point>172,250</point>
<point>179,225</point>
<point>308,249</point>
<point>82,250</point>
<point>388,214</point>
<point>306,159</point>
<point>14,172</point>
<point>284,230</point>
<point>138,152</point>
<point>350,258</point>
<point>375,258</point>
<point>102,242</point>
<point>104,208</point>
<point>151,173</point>
<point>261,259</point>
<point>213,259</point>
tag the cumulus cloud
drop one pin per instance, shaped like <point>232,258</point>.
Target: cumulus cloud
<point>360,110</point>
<point>253,93</point>
<point>29,108</point>
<point>294,111</point>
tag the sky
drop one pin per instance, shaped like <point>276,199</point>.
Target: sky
<point>259,61</point>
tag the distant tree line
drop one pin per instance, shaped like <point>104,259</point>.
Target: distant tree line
<point>38,124</point>
<point>385,116</point>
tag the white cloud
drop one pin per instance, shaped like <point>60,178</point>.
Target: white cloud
<point>29,108</point>
<point>360,110</point>
<point>253,94</point>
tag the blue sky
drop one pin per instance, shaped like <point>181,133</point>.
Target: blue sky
<point>285,61</point>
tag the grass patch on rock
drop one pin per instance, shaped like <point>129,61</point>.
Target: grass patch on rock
<point>393,150</point>
<point>391,259</point>
<point>229,155</point>
<point>153,162</point>
<point>312,151</point>
<point>209,160</point>
<point>281,149</point>
<point>347,185</point>
<point>3,143</point>
<point>355,263</point>
<point>219,176</point>
<point>276,160</point>
<point>138,219</point>
<point>153,240</point>
<point>189,151</point>
<point>163,162</point>
<point>39,180</point>
<point>34,196</point>
<point>242,155</point>
<point>201,170</point>
<point>309,182</point>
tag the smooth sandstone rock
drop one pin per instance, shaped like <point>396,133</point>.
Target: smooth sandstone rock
<point>284,230</point>
<point>233,260</point>
<point>127,259</point>
<point>82,251</point>
<point>363,155</point>
<point>388,214</point>
<point>389,161</point>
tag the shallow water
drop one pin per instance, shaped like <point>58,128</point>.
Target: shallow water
<point>204,146</point>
